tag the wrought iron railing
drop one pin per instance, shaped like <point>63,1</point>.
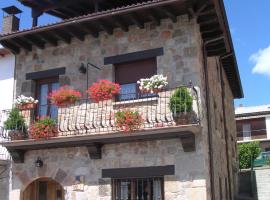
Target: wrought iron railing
<point>157,110</point>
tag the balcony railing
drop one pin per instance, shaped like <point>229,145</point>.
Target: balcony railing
<point>158,111</point>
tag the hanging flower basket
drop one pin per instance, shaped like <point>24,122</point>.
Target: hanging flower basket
<point>25,103</point>
<point>153,85</point>
<point>64,96</point>
<point>44,128</point>
<point>103,90</point>
<point>128,120</point>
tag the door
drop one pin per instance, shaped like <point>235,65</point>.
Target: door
<point>44,189</point>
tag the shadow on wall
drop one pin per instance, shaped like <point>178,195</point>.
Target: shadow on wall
<point>247,184</point>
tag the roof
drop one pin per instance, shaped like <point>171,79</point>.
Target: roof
<point>210,15</point>
<point>252,111</point>
<point>12,10</point>
<point>69,8</point>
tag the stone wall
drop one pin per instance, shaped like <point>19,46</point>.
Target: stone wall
<point>64,164</point>
<point>223,131</point>
<point>180,62</point>
<point>4,179</point>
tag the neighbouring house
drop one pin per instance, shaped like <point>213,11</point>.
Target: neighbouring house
<point>253,124</point>
<point>7,65</point>
<point>174,142</point>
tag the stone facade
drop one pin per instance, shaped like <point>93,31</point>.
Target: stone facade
<point>223,130</point>
<point>188,182</point>
<point>4,179</point>
<point>182,62</point>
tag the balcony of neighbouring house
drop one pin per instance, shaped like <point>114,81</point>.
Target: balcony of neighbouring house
<point>128,117</point>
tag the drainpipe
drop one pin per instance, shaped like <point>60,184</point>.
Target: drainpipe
<point>225,129</point>
<point>209,123</point>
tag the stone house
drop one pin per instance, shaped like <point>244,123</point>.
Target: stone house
<point>123,41</point>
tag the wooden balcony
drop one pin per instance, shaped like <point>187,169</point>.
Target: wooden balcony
<point>93,125</point>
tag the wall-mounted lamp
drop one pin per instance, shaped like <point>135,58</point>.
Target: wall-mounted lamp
<point>39,162</point>
<point>84,70</point>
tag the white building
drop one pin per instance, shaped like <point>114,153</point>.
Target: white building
<point>7,63</point>
<point>253,124</point>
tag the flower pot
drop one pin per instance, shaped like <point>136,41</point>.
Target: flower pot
<point>184,118</point>
<point>66,103</point>
<point>27,106</point>
<point>16,135</point>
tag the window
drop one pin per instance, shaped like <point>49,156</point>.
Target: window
<point>138,189</point>
<point>127,74</point>
<point>44,88</point>
<point>246,131</point>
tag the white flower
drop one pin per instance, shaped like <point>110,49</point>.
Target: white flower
<point>24,100</point>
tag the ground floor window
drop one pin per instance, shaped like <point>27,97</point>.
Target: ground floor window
<point>138,189</point>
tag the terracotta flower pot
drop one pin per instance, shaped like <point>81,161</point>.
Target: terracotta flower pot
<point>184,118</point>
<point>16,135</point>
<point>27,106</point>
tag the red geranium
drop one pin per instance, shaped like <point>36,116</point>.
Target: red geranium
<point>103,90</point>
<point>64,96</point>
<point>43,128</point>
<point>128,120</point>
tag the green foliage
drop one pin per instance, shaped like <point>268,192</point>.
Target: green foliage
<point>246,152</point>
<point>15,121</point>
<point>181,101</point>
<point>268,161</point>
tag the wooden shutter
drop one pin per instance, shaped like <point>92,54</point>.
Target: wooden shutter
<point>131,72</point>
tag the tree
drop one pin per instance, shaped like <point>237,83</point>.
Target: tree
<point>248,152</point>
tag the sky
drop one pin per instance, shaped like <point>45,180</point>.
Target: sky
<point>250,28</point>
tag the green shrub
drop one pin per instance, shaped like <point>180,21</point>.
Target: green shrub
<point>181,101</point>
<point>15,121</point>
<point>268,161</point>
<point>247,153</point>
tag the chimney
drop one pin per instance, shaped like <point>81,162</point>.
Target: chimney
<point>11,22</point>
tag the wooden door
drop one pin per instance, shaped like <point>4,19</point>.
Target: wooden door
<point>44,189</point>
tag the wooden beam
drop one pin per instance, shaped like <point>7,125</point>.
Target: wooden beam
<point>90,29</point>
<point>213,34</point>
<point>35,40</point>
<point>119,22</point>
<point>22,43</point>
<point>94,151</point>
<point>63,35</point>
<point>206,18</point>
<point>76,32</point>
<point>135,19</point>
<point>13,48</point>
<point>154,17</point>
<point>168,12</point>
<point>49,38</point>
<point>106,27</point>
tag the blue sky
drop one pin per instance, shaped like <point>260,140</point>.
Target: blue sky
<point>250,28</point>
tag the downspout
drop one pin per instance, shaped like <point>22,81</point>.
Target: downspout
<point>225,130</point>
<point>209,123</point>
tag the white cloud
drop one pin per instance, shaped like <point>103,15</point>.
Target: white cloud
<point>261,59</point>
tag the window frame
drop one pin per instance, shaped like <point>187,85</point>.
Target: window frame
<point>39,83</point>
<point>138,94</point>
<point>115,182</point>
